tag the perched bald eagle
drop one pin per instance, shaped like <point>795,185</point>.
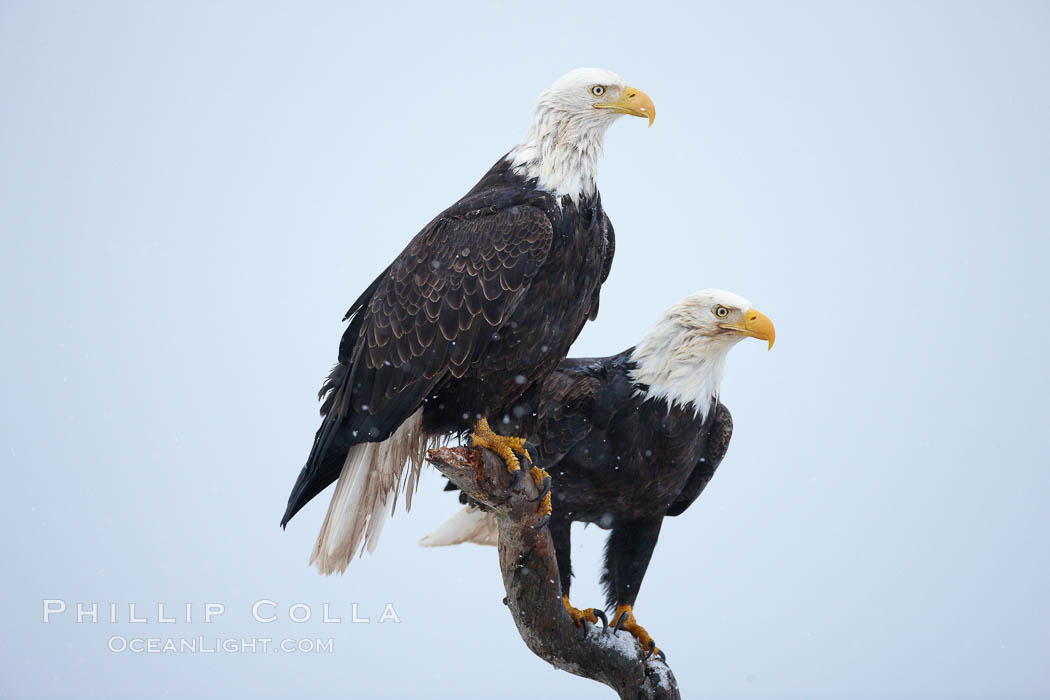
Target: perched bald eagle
<point>630,439</point>
<point>469,318</point>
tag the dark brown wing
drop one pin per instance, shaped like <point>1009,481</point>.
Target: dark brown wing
<point>567,409</point>
<point>610,249</point>
<point>711,456</point>
<point>441,301</point>
<point>431,314</point>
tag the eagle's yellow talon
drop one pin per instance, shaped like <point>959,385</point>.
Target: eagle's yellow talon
<point>577,615</point>
<point>632,626</point>
<point>543,480</point>
<point>507,448</point>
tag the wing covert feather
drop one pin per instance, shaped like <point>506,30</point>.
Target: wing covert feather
<point>566,413</point>
<point>434,312</point>
<point>713,453</point>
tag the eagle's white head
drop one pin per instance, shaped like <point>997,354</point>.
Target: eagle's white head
<point>683,358</point>
<point>562,146</point>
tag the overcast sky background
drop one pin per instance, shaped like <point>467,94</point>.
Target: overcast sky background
<point>192,194</point>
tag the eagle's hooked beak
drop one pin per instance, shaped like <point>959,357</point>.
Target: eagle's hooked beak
<point>757,325</point>
<point>632,101</point>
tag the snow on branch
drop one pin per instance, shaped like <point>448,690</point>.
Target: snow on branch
<point>530,576</point>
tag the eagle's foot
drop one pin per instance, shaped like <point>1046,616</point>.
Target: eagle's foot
<point>625,621</point>
<point>543,480</point>
<point>508,448</point>
<point>578,616</point>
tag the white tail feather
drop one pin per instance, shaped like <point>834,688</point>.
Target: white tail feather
<point>468,524</point>
<point>372,475</point>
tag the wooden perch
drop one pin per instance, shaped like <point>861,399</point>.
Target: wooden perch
<point>530,576</point>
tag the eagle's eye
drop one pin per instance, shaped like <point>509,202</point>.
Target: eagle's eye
<point>598,90</point>
<point>721,311</point>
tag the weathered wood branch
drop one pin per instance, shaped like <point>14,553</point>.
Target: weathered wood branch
<point>530,576</point>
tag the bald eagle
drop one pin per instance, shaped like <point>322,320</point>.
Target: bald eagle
<point>475,312</point>
<point>630,439</point>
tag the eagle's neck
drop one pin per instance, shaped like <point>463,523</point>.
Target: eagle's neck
<point>561,151</point>
<point>681,366</point>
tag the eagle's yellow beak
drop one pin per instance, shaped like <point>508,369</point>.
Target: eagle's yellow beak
<point>757,325</point>
<point>631,101</point>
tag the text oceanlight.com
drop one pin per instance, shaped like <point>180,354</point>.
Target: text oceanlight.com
<point>218,645</point>
<point>159,618</point>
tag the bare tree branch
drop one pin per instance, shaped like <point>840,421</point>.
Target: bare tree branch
<point>530,576</point>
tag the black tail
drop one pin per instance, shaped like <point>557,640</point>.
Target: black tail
<point>332,442</point>
<point>339,429</point>
<point>342,428</point>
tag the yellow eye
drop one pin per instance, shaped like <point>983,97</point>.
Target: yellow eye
<point>597,90</point>
<point>721,311</point>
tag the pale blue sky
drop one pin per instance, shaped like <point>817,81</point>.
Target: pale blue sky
<point>191,194</point>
